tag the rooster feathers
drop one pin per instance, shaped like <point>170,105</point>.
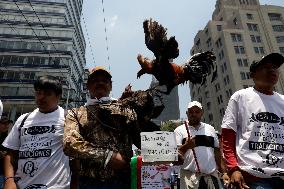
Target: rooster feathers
<point>195,70</point>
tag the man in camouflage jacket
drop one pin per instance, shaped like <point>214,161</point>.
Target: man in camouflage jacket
<point>101,133</point>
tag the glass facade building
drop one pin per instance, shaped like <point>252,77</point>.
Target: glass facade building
<point>40,37</point>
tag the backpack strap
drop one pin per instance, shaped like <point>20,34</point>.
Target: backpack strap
<point>23,122</point>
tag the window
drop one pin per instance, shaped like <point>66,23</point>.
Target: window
<point>252,27</point>
<point>249,16</point>
<point>219,27</point>
<point>281,49</point>
<point>221,55</point>
<point>236,37</point>
<point>245,62</point>
<point>208,105</point>
<point>10,75</point>
<point>218,43</point>
<point>242,62</point>
<point>226,80</point>
<point>235,21</point>
<point>217,87</point>
<point>208,42</point>
<point>17,75</point>
<point>280,39</point>
<point>245,75</point>
<point>6,59</point>
<point>239,49</point>
<point>200,100</point>
<point>225,66</point>
<point>220,99</point>
<point>229,93</point>
<point>222,112</point>
<point>274,16</point>
<point>278,28</point>
<point>207,94</point>
<point>248,75</point>
<point>259,50</point>
<point>210,117</point>
<point>2,74</point>
<point>3,44</point>
<point>255,38</point>
<point>30,60</point>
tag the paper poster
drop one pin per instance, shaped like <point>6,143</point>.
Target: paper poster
<point>157,176</point>
<point>158,146</point>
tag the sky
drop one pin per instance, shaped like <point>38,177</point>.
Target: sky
<point>125,36</point>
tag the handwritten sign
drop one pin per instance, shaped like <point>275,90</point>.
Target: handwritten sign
<point>158,146</point>
<point>157,176</point>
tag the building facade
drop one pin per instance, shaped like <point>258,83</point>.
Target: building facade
<point>171,102</point>
<point>40,37</point>
<point>240,32</point>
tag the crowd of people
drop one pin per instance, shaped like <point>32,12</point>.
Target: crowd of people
<point>89,147</point>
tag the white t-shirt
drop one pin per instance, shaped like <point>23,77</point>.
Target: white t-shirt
<point>258,121</point>
<point>42,163</point>
<point>204,150</point>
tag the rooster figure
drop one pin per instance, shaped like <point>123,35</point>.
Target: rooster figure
<point>169,74</point>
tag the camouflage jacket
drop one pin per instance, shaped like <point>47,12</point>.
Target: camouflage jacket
<point>92,132</point>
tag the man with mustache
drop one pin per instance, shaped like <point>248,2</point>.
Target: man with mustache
<point>252,129</point>
<point>100,134</point>
<point>35,157</point>
<point>200,151</point>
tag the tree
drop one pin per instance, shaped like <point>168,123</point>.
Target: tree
<point>170,125</point>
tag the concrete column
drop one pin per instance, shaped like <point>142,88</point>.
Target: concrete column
<point>13,113</point>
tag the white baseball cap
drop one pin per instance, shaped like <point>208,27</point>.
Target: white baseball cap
<point>194,103</point>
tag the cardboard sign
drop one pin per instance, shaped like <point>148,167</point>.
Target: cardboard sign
<point>158,146</point>
<point>157,176</point>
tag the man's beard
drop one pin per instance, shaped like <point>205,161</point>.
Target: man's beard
<point>194,121</point>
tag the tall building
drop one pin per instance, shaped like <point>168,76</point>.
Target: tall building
<point>40,37</point>
<point>240,32</point>
<point>171,102</point>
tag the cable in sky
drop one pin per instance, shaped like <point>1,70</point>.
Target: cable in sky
<point>106,37</point>
<point>88,39</point>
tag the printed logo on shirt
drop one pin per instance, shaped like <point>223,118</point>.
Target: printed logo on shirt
<point>36,186</point>
<point>35,130</point>
<point>267,117</point>
<point>258,169</point>
<point>29,168</point>
<point>271,159</point>
<point>278,174</point>
<point>35,153</point>
<point>266,146</point>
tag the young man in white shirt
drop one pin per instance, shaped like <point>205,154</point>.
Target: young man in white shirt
<point>35,143</point>
<point>252,129</point>
<point>200,151</point>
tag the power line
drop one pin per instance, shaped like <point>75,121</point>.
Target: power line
<point>70,69</point>
<point>42,25</point>
<point>88,38</point>
<point>106,37</point>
